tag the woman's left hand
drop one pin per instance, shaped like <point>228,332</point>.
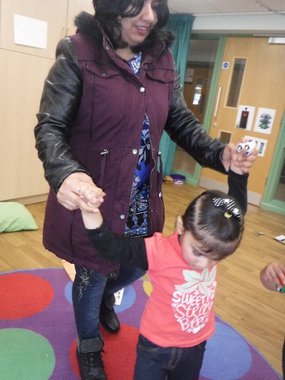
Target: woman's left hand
<point>91,196</point>
<point>240,160</point>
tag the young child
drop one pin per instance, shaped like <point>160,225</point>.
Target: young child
<point>178,317</point>
<point>272,277</point>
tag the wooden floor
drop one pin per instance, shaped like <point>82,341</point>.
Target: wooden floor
<point>241,300</point>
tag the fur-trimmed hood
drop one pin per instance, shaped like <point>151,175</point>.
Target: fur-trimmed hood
<point>87,24</point>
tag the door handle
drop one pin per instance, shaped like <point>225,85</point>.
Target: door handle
<point>218,102</point>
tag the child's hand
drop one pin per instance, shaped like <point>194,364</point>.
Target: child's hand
<point>273,275</point>
<point>235,164</point>
<point>91,197</point>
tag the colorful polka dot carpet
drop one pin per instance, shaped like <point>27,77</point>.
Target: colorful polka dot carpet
<point>38,338</point>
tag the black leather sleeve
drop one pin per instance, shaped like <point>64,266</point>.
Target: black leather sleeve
<point>238,188</point>
<point>186,131</point>
<point>59,103</point>
<point>127,250</point>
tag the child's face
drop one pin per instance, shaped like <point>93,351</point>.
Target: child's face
<point>191,252</point>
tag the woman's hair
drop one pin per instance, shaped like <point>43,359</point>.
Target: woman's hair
<point>216,221</point>
<point>109,12</point>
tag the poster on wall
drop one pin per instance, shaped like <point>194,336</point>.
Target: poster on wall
<point>30,32</point>
<point>261,144</point>
<point>244,117</point>
<point>264,120</point>
<point>189,75</point>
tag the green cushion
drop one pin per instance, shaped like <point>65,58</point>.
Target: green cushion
<point>15,217</point>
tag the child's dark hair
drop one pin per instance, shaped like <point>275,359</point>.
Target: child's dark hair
<point>108,13</point>
<point>215,220</point>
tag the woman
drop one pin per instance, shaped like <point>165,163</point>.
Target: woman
<point>108,97</point>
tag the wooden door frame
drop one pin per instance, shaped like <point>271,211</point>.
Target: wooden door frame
<point>194,178</point>
<point>268,202</point>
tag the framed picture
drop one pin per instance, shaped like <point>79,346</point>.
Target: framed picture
<point>264,120</point>
<point>244,117</point>
<point>261,145</point>
<point>189,75</point>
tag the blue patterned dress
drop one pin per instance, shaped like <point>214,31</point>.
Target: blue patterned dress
<point>137,223</point>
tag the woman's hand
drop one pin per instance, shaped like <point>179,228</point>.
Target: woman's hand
<point>92,196</point>
<point>73,193</point>
<point>241,161</point>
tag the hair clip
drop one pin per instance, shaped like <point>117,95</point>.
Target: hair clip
<point>229,206</point>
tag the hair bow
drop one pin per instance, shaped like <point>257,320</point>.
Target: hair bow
<point>229,206</point>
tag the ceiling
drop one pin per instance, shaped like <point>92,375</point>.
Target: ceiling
<point>259,17</point>
<point>201,8</point>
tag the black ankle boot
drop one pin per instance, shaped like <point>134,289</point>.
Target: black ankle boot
<point>89,357</point>
<point>108,317</point>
